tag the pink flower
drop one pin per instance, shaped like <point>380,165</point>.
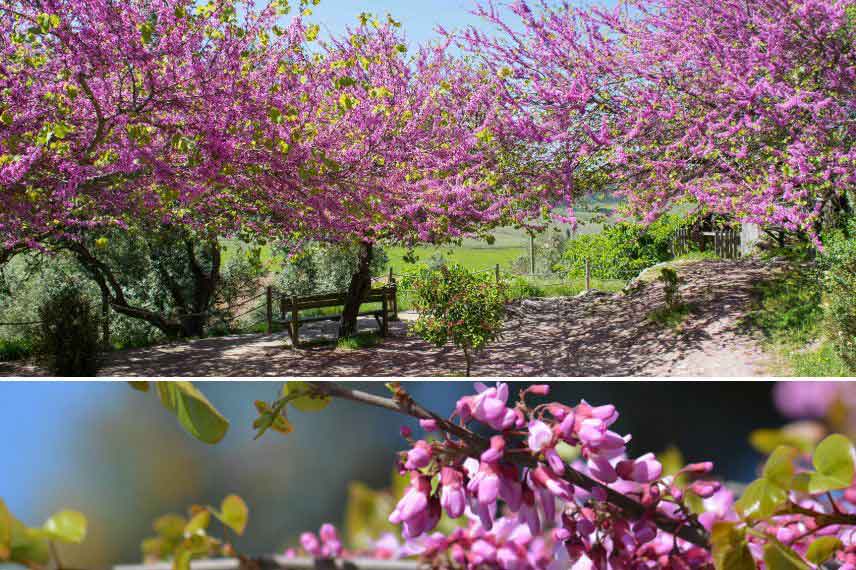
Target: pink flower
<point>419,456</point>
<point>540,436</point>
<point>453,498</point>
<point>310,543</point>
<point>644,469</point>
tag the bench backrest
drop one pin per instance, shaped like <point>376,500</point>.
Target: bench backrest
<point>332,299</point>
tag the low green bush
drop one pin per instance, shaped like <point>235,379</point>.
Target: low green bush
<point>622,249</point>
<point>458,306</point>
<point>68,338</point>
<point>15,348</point>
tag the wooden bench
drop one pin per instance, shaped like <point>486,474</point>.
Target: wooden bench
<point>290,308</point>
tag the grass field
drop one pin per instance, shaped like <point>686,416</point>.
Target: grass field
<point>508,245</point>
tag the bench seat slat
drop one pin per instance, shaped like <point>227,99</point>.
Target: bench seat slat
<point>327,317</point>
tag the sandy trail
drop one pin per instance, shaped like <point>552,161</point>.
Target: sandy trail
<point>593,335</point>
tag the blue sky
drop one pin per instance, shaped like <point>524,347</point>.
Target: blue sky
<point>419,18</point>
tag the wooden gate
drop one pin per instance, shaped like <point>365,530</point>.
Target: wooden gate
<point>726,242</point>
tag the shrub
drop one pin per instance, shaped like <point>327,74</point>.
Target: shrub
<point>623,248</point>
<point>520,288</point>
<point>839,283</point>
<point>670,280</point>
<point>69,335</point>
<point>457,306</point>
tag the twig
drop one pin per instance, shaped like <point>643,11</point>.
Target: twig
<point>404,404</point>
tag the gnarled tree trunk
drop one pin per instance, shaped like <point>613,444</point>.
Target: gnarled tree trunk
<point>361,284</point>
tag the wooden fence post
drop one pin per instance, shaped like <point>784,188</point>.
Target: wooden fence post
<point>531,254</point>
<point>496,272</point>
<point>394,299</point>
<point>384,307</point>
<point>588,275</point>
<point>269,308</point>
<point>294,325</point>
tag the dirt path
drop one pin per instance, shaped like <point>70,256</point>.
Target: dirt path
<point>592,335</point>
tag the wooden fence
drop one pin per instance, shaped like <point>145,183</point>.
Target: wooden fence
<point>725,242</point>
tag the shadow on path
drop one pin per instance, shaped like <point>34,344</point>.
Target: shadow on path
<point>592,335</point>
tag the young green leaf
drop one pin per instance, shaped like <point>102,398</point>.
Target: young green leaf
<point>833,460</point>
<point>5,532</point>
<point>302,397</point>
<point>199,522</point>
<point>761,499</point>
<point>170,527</point>
<point>823,549</point>
<point>780,557</point>
<point>730,549</point>
<point>29,546</point>
<point>234,513</point>
<point>779,468</point>
<point>194,411</point>
<point>66,526</point>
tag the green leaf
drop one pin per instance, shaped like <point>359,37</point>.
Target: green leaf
<point>29,546</point>
<point>181,561</point>
<point>170,526</point>
<point>301,396</point>
<point>5,532</point>
<point>190,547</point>
<point>194,411</point>
<point>199,522</point>
<point>66,526</point>
<point>760,499</point>
<point>730,549</point>
<point>779,468</point>
<point>155,547</point>
<point>234,513</point>
<point>833,460</point>
<point>780,557</point>
<point>822,549</point>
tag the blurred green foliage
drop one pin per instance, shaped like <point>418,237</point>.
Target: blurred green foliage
<point>31,546</point>
<point>181,539</point>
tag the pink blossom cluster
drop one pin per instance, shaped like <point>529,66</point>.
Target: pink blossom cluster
<point>515,498</point>
<point>517,488</point>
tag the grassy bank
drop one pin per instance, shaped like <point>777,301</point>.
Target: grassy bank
<point>788,310</point>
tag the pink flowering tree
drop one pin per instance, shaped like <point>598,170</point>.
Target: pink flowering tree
<point>122,118</point>
<point>746,110</point>
<point>366,143</point>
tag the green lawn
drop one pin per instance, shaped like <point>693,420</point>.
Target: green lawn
<point>508,245</point>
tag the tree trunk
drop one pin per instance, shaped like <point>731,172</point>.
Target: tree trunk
<point>468,358</point>
<point>204,287</point>
<point>361,284</point>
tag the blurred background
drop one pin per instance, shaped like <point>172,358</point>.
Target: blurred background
<point>119,457</point>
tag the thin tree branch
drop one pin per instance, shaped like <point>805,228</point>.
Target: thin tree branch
<point>403,404</point>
